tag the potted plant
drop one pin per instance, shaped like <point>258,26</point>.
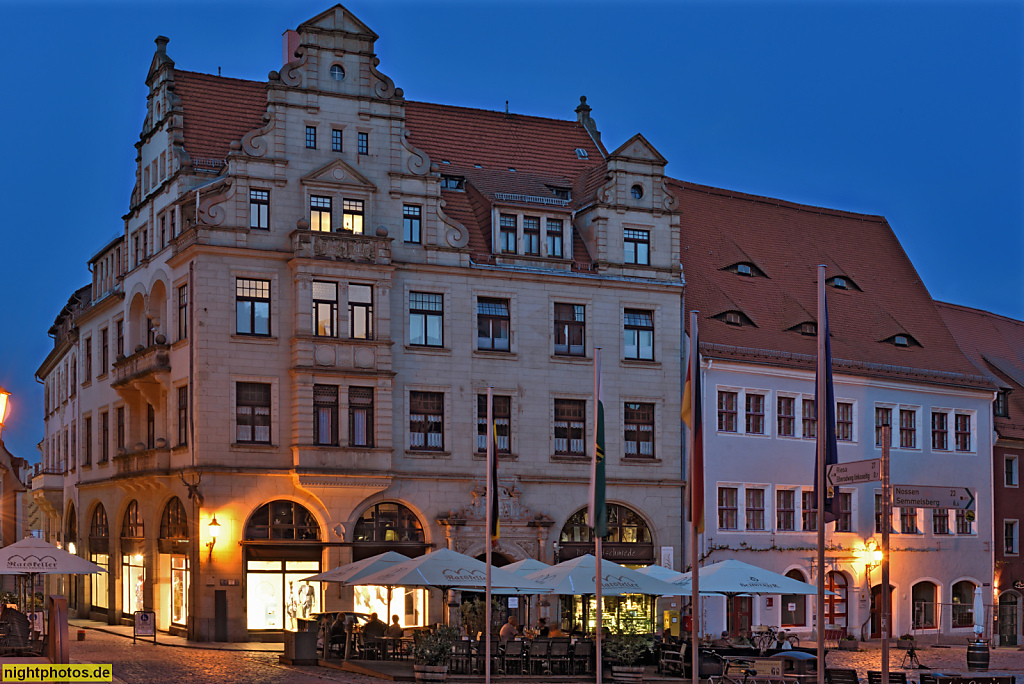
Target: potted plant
<point>432,653</point>
<point>848,643</point>
<point>905,641</point>
<point>626,651</point>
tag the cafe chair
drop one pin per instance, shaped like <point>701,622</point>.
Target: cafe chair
<point>538,656</point>
<point>841,675</point>
<point>512,660</point>
<point>461,658</point>
<point>583,657</point>
<point>558,656</point>
<point>875,677</point>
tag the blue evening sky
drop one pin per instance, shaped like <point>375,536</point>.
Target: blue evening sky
<point>911,110</point>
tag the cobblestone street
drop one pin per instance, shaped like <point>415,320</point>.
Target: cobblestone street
<point>142,663</point>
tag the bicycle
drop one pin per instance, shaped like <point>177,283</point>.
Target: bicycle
<point>770,636</point>
<point>729,664</point>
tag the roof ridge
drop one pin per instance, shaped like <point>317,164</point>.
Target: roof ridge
<point>492,111</point>
<point>964,307</point>
<point>765,199</point>
<point>223,78</point>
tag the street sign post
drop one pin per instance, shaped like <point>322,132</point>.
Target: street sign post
<point>915,496</point>
<point>855,472</point>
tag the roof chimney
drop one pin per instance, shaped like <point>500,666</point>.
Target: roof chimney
<point>290,43</point>
<point>161,44</point>
<point>583,117</point>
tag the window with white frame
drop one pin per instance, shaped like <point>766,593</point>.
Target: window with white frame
<point>493,324</point>
<point>809,510</point>
<point>754,508</point>
<point>553,232</point>
<point>940,521</point>
<point>963,525</point>
<point>809,418</point>
<point>940,431</point>
<point>426,319</point>
<point>908,428</point>
<point>962,431</point>
<point>1011,530</point>
<point>754,413</point>
<point>845,521</point>
<point>426,421</point>
<point>785,510</point>
<point>1010,474</point>
<point>638,423</point>
<point>727,498</point>
<point>638,334</point>
<point>908,520</point>
<point>883,418</point>
<point>785,417</point>
<point>727,411</point>
<point>844,421</point>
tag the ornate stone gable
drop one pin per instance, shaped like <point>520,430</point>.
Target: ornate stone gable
<point>339,173</point>
<point>523,533</point>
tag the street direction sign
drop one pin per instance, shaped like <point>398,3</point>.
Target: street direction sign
<point>855,472</point>
<point>914,496</point>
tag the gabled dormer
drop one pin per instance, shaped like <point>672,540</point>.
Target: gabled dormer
<point>735,318</point>
<point>339,198</point>
<point>632,226</point>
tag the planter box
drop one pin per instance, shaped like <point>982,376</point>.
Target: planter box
<point>431,673</point>
<point>622,674</point>
<point>904,643</point>
<point>848,645</point>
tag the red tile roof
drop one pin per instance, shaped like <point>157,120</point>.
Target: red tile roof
<point>787,241</point>
<point>995,344</point>
<point>496,141</point>
<point>218,110</point>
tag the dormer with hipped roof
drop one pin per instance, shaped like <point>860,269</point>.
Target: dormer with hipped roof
<point>631,225</point>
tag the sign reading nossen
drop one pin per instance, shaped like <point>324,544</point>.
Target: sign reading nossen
<point>913,496</point>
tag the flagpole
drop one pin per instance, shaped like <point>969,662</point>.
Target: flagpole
<point>822,399</point>
<point>597,541</point>
<point>695,502</point>
<point>487,534</point>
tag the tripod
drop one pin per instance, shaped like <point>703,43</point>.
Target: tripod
<point>915,663</point>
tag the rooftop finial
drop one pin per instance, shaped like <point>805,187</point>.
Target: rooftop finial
<point>161,44</point>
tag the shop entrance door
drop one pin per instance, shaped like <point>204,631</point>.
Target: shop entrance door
<point>739,614</point>
<point>876,611</point>
<point>1008,604</point>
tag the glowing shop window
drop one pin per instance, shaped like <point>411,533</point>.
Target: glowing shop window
<point>409,605</point>
<point>133,582</point>
<point>99,581</point>
<point>179,589</point>
<point>277,595</point>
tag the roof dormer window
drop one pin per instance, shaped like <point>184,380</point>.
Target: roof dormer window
<point>900,341</point>
<point>453,183</point>
<point>903,340</point>
<point>808,328</point>
<point>581,153</point>
<point>560,193</point>
<point>745,268</point>
<point>736,318</point>
<point>841,283</point>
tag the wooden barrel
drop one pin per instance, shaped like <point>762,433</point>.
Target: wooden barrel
<point>977,655</point>
<point>431,673</point>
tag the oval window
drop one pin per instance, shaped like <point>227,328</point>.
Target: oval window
<point>337,73</point>
<point>637,191</point>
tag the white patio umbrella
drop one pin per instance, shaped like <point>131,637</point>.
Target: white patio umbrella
<point>979,613</point>
<point>525,567</point>
<point>447,569</point>
<point>735,578</point>
<point>32,556</point>
<point>664,574</point>
<point>348,573</point>
<point>577,577</point>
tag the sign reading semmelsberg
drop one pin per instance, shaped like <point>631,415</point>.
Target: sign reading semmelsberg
<point>913,496</point>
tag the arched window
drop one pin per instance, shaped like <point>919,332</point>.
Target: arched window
<point>629,539</point>
<point>387,526</point>
<point>794,606</point>
<point>923,598</point>
<point>963,604</point>
<point>174,523</point>
<point>99,531</point>
<point>132,527</point>
<point>71,530</point>
<point>282,520</point>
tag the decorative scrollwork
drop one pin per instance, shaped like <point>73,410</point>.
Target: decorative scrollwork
<point>384,88</point>
<point>670,202</point>
<point>419,162</point>
<point>291,73</point>
<point>210,210</point>
<point>457,235</point>
<point>253,142</point>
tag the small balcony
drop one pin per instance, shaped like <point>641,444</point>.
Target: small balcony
<point>156,460</point>
<point>147,365</point>
<point>48,491</point>
<point>343,246</point>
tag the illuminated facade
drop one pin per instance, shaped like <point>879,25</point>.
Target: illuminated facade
<point>315,284</point>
